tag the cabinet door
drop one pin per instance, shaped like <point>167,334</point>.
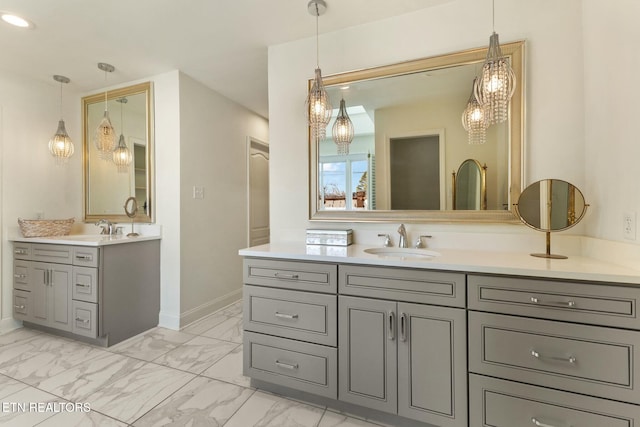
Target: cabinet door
<point>367,359</point>
<point>60,296</point>
<point>39,283</point>
<point>432,364</point>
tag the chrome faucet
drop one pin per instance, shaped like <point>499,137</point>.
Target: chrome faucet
<point>402,243</point>
<point>107,227</point>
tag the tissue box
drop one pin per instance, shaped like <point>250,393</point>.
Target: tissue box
<point>329,237</point>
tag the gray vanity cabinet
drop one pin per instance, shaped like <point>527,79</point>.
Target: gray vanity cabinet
<point>400,357</point>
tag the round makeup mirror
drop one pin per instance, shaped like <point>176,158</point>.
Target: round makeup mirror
<point>131,209</point>
<point>551,205</point>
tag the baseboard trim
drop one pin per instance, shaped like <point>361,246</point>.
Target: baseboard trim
<point>8,325</point>
<point>209,307</point>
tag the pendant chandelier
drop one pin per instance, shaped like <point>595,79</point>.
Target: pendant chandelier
<point>497,82</point>
<point>475,119</point>
<point>343,130</point>
<point>105,136</point>
<point>60,145</point>
<point>317,106</point>
<point>122,155</point>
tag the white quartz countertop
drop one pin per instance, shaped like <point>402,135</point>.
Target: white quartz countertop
<point>86,239</point>
<point>471,261</point>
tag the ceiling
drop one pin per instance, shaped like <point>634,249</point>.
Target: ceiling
<point>222,44</point>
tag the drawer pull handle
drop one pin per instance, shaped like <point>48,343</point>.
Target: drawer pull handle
<point>570,359</point>
<point>569,304</point>
<point>287,276</point>
<point>403,327</point>
<point>286,316</point>
<point>19,307</point>
<point>539,423</point>
<point>20,252</point>
<point>20,276</point>
<point>85,321</point>
<point>85,257</point>
<point>286,365</point>
<point>82,285</point>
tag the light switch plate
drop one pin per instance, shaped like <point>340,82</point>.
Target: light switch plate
<point>198,192</point>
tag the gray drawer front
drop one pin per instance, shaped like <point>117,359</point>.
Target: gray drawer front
<point>85,319</point>
<point>499,403</point>
<point>22,250</point>
<point>299,315</point>
<point>85,256</point>
<point>85,284</point>
<point>21,305</point>
<point>21,275</point>
<point>303,366</point>
<point>584,359</point>
<point>304,276</point>
<point>59,254</point>
<point>599,304</point>
<point>403,284</point>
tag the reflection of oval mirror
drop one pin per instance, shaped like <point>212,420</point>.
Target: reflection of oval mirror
<point>470,186</point>
<point>551,205</point>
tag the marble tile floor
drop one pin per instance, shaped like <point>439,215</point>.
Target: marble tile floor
<point>191,377</point>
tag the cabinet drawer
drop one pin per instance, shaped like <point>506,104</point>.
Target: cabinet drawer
<point>21,275</point>
<point>403,284</point>
<point>22,250</point>
<point>499,403</point>
<point>299,315</point>
<point>599,304</point>
<point>59,254</point>
<point>304,276</point>
<point>21,305</point>
<point>584,359</point>
<point>85,284</point>
<point>84,256</point>
<point>85,319</point>
<point>302,366</point>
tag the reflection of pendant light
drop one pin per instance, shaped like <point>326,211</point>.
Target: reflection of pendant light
<point>497,82</point>
<point>475,119</point>
<point>122,155</point>
<point>343,130</point>
<point>105,137</point>
<point>60,145</point>
<point>317,105</point>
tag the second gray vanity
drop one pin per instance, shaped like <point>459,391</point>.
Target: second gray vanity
<point>457,340</point>
<point>99,289</point>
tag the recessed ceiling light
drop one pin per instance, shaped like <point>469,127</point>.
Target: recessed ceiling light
<point>16,20</point>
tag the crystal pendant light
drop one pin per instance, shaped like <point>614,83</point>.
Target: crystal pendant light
<point>60,145</point>
<point>317,106</point>
<point>105,136</point>
<point>122,155</point>
<point>497,83</point>
<point>475,119</point>
<point>343,130</point>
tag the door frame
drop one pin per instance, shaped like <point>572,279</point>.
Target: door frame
<point>252,141</point>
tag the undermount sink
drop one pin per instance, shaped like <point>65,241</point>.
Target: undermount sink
<point>402,252</point>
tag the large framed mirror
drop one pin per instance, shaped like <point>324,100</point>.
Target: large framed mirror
<point>408,140</point>
<point>107,186</point>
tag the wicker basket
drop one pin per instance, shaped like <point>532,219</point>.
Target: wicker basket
<point>45,227</point>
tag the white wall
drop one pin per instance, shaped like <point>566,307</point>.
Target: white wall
<point>612,99</point>
<point>31,181</point>
<point>213,155</point>
<point>554,93</point>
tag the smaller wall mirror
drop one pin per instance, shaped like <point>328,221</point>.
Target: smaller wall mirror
<point>470,186</point>
<point>107,187</point>
<point>551,205</point>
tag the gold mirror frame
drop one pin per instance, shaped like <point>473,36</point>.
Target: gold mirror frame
<point>482,171</point>
<point>87,139</point>
<point>515,51</point>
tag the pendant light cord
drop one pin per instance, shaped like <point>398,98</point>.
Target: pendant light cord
<point>61,101</point>
<point>106,104</point>
<point>317,37</point>
<point>493,14</point>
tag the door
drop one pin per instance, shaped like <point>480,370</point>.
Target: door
<point>367,360</point>
<point>258,192</point>
<point>51,293</point>
<point>432,364</point>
